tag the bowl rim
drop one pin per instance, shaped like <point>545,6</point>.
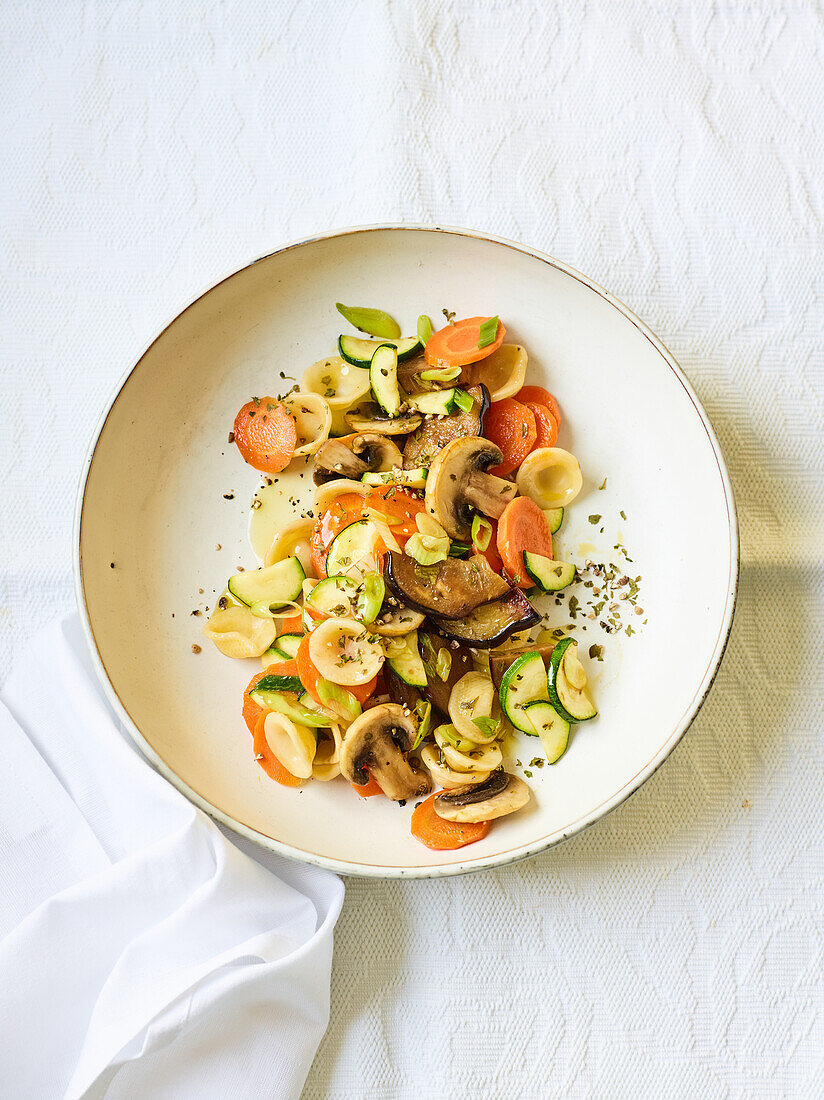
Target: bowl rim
<point>499,859</point>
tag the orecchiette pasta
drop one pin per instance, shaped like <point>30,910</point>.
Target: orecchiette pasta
<point>325,494</point>
<point>326,764</point>
<point>238,633</point>
<point>293,745</point>
<point>502,373</point>
<point>472,697</point>
<point>313,420</point>
<point>341,385</point>
<point>551,477</point>
<point>293,540</point>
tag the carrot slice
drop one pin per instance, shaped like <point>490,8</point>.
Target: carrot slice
<point>265,435</point>
<point>368,790</point>
<point>252,710</point>
<point>442,835</point>
<point>523,526</point>
<point>511,426</point>
<point>292,624</point>
<point>456,345</point>
<point>537,394</point>
<point>545,424</point>
<point>267,759</point>
<point>309,676</point>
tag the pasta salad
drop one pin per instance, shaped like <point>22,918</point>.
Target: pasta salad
<point>395,622</point>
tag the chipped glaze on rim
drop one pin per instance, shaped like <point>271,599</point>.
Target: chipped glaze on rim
<point>512,855</point>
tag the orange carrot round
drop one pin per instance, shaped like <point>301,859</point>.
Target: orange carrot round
<point>442,835</point>
<point>252,710</point>
<point>511,426</point>
<point>457,345</point>
<point>267,759</point>
<point>545,424</point>
<point>292,624</point>
<point>537,394</point>
<point>523,526</point>
<point>309,676</point>
<point>368,790</point>
<point>265,435</point>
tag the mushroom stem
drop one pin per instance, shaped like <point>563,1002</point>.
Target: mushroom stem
<point>489,494</point>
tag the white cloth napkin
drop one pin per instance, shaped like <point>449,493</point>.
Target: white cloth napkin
<point>142,954</point>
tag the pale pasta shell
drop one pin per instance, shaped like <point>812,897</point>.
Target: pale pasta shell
<point>293,745</point>
<point>551,477</point>
<point>238,633</point>
<point>325,494</point>
<point>341,385</point>
<point>502,372</point>
<point>313,421</point>
<point>471,698</point>
<point>292,540</point>
<point>443,775</point>
<point>342,651</point>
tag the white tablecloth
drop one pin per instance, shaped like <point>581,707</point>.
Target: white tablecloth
<point>673,151</point>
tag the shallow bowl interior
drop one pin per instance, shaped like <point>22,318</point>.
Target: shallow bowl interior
<point>164,490</point>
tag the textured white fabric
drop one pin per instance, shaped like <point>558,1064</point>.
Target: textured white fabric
<point>141,954</point>
<point>673,151</point>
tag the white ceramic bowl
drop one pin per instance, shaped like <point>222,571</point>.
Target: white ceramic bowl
<point>152,502</point>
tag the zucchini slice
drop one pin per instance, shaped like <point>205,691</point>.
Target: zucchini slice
<point>352,552</point>
<point>550,727</point>
<point>273,585</point>
<point>567,683</point>
<point>335,595</point>
<point>288,703</point>
<point>410,479</point>
<point>549,575</point>
<point>436,403</point>
<point>279,683</point>
<point>523,682</point>
<point>288,645</point>
<point>359,352</point>
<point>383,377</point>
<point>407,663</point>
<point>554,517</point>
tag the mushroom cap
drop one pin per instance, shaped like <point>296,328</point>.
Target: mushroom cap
<point>498,795</point>
<point>377,451</point>
<point>372,418</point>
<point>448,479</point>
<point>378,740</point>
<point>336,459</point>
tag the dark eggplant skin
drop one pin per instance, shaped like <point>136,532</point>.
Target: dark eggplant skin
<point>434,434</point>
<point>437,691</point>
<point>450,589</point>
<point>491,624</point>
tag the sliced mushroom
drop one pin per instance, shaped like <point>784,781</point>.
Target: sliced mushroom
<point>436,432</point>
<point>458,484</point>
<point>372,418</point>
<point>449,589</point>
<point>336,459</point>
<point>377,744</point>
<point>354,456</point>
<point>501,794</point>
<point>395,622</point>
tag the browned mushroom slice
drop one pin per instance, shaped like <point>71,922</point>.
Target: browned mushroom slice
<point>501,794</point>
<point>436,432</point>
<point>491,624</point>
<point>450,589</point>
<point>372,418</point>
<point>445,663</point>
<point>352,456</point>
<point>500,661</point>
<point>458,485</point>
<point>377,744</point>
<point>395,622</point>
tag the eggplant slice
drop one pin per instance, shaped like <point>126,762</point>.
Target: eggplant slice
<point>451,589</point>
<point>491,624</point>
<point>438,691</point>
<point>435,432</point>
